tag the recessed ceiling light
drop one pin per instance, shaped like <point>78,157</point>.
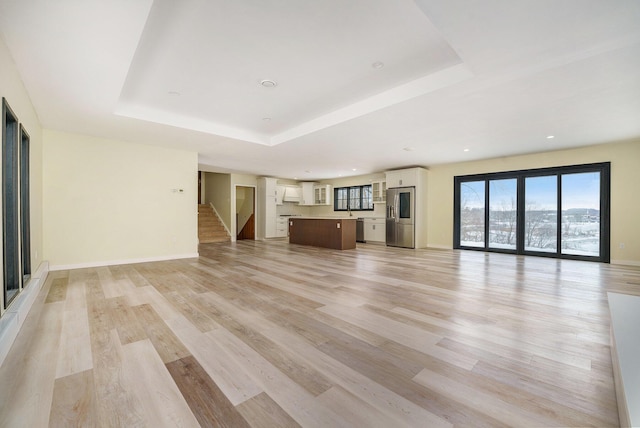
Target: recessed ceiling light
<point>175,93</point>
<point>408,149</point>
<point>266,119</point>
<point>466,150</point>
<point>308,171</point>
<point>354,169</point>
<point>549,137</point>
<point>377,65</point>
<point>268,83</point>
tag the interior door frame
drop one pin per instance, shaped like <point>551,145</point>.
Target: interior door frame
<point>234,225</point>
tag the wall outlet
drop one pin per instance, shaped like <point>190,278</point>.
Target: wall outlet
<point>622,245</point>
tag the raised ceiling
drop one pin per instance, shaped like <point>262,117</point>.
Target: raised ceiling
<point>363,85</point>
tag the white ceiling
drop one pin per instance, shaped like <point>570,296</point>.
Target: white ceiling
<point>495,77</point>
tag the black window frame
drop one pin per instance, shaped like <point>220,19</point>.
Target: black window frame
<point>604,168</point>
<point>25,204</point>
<point>368,203</point>
<point>11,253</point>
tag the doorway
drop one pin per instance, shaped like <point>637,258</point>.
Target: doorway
<point>245,213</point>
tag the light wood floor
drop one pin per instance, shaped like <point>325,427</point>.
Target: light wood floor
<point>271,334</point>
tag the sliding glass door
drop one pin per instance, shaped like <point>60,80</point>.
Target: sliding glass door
<point>503,220</point>
<point>581,214</point>
<point>541,214</point>
<point>472,213</point>
<point>554,212</point>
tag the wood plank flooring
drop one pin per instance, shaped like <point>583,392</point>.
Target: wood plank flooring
<point>268,334</point>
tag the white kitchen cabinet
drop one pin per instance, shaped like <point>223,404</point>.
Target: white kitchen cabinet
<point>402,178</point>
<point>308,194</point>
<point>322,194</point>
<point>379,190</point>
<point>270,186</point>
<point>280,194</point>
<point>282,227</point>
<point>374,230</point>
<point>267,202</point>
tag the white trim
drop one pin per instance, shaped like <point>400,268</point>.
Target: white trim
<point>440,247</point>
<point>12,320</point>
<point>124,262</point>
<point>423,85</point>
<point>626,262</point>
<point>234,208</point>
<point>222,222</point>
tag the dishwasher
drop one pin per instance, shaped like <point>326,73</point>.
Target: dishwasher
<point>360,230</point>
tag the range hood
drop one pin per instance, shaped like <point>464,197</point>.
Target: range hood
<point>291,194</point>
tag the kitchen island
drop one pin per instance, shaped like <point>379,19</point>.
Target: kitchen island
<point>326,232</point>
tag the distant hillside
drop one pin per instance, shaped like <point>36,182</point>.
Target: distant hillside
<point>582,211</point>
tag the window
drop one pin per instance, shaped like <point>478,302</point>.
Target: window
<point>10,205</point>
<point>354,198</point>
<point>502,213</point>
<point>16,240</point>
<point>472,213</point>
<point>341,199</point>
<point>25,237</point>
<point>540,216</point>
<point>558,212</point>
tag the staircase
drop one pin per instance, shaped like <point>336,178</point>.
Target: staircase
<point>210,228</point>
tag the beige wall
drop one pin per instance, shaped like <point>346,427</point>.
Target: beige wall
<point>245,202</point>
<point>109,201</point>
<point>220,190</point>
<point>625,191</point>
<point>218,193</point>
<point>12,89</point>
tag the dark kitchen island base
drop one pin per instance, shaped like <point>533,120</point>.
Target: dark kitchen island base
<point>335,233</point>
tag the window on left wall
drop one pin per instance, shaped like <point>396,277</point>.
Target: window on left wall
<point>16,254</point>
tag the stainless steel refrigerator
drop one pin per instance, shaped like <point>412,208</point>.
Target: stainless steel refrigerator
<point>400,225</point>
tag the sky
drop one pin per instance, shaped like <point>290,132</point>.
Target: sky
<point>581,190</point>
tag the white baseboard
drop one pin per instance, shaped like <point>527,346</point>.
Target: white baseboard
<point>14,317</point>
<point>625,262</point>
<point>440,247</point>
<point>123,262</point>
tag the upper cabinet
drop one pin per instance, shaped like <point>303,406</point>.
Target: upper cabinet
<point>322,194</point>
<point>270,186</point>
<point>379,190</point>
<point>403,177</point>
<point>308,195</point>
<point>280,194</point>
